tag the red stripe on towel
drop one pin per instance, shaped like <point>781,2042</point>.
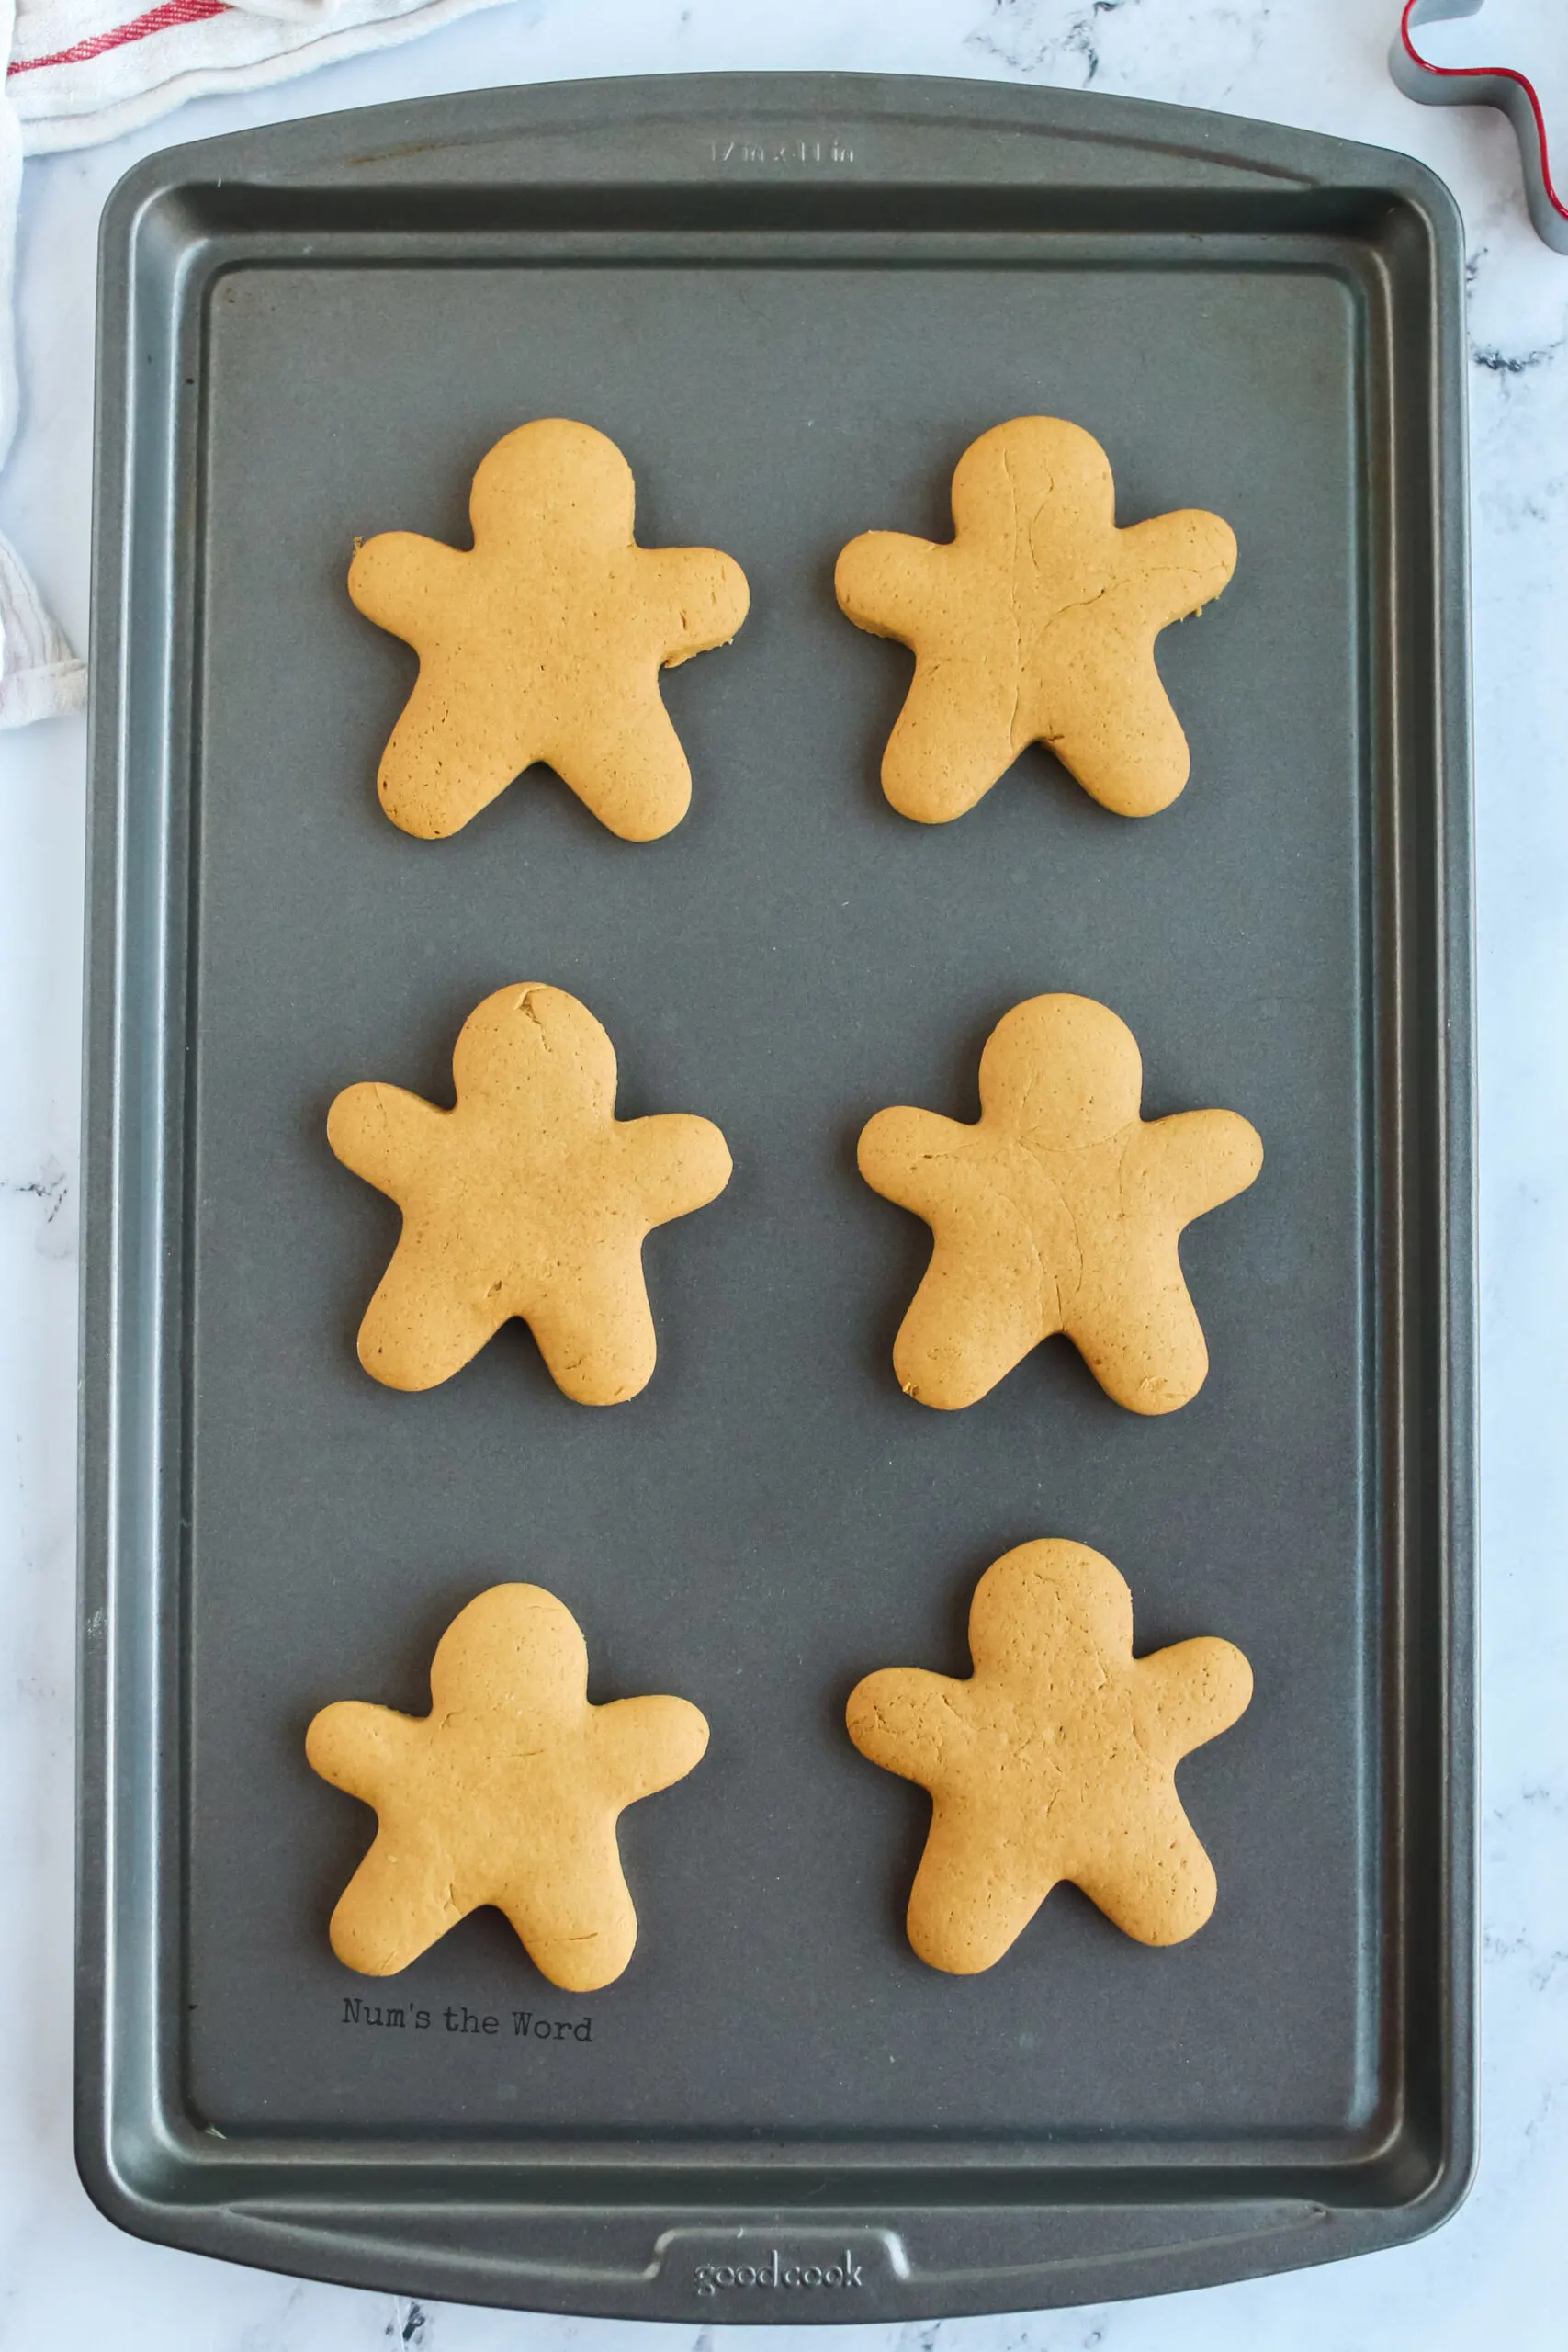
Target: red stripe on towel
<point>156,20</point>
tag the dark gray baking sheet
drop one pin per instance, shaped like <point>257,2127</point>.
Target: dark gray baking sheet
<point>793,302</point>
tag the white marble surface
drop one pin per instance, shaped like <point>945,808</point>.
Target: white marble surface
<point>1498,2274</point>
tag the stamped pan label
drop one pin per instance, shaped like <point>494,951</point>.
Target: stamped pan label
<point>786,2266</point>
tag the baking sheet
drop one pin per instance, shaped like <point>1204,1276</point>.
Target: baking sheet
<point>772,1518</point>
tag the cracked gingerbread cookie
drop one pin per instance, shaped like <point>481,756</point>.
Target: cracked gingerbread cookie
<point>1057,1759</point>
<point>544,641</point>
<point>507,1793</point>
<point>1035,624</point>
<point>528,1198</point>
<point>1059,1210</point>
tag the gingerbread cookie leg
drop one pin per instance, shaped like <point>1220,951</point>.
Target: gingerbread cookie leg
<point>969,1903</point>
<point>432,800</point>
<point>422,1325</point>
<point>626,764</point>
<point>596,1336</point>
<point>376,1929</point>
<point>949,743</point>
<point>580,1930</point>
<point>1111,724</point>
<point>976,1315</point>
<point>1151,1879</point>
<point>1135,1327</point>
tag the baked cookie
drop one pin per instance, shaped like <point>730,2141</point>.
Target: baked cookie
<point>507,1793</point>
<point>1034,624</point>
<point>1059,1210</point>
<point>528,1198</point>
<point>544,640</point>
<point>1057,1759</point>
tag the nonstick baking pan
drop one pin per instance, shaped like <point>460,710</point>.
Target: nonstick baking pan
<point>792,301</point>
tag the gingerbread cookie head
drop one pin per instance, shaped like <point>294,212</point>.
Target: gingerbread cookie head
<point>1049,1614</point>
<point>1036,623</point>
<point>516,1654</point>
<point>528,1198</point>
<point>1039,474</point>
<point>572,484</point>
<point>544,641</point>
<point>506,1793</point>
<point>1057,1759</point>
<point>536,1054</point>
<point>1062,1069</point>
<point>1060,1209</point>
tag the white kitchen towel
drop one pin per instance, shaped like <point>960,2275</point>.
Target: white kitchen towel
<point>81,71</point>
<point>85,70</point>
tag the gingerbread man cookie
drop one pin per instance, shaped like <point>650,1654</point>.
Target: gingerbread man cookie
<point>1057,1759</point>
<point>1035,624</point>
<point>1059,1210</point>
<point>528,1198</point>
<point>507,1793</point>
<point>544,640</point>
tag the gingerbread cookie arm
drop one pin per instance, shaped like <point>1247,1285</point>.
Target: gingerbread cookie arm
<point>361,1748</point>
<point>639,1746</point>
<point>407,585</point>
<point>705,596</point>
<point>902,1716</point>
<point>680,1163</point>
<point>1191,1161</point>
<point>885,583</point>
<point>378,1130</point>
<point>1176,563</point>
<point>911,1157</point>
<point>1188,1694</point>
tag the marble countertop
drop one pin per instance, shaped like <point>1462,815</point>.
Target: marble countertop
<point>1498,2272</point>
